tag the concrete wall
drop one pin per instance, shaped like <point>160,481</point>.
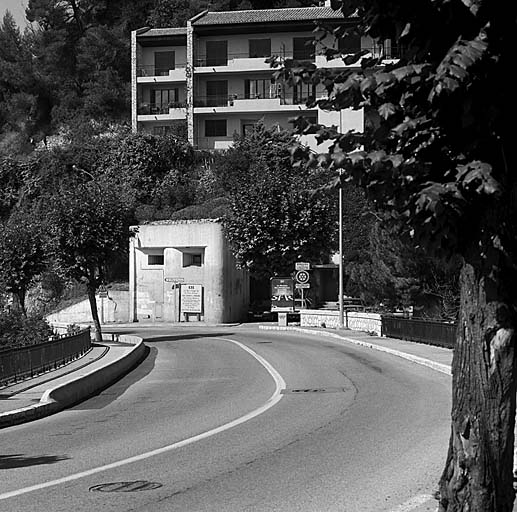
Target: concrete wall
<point>355,320</point>
<point>155,289</point>
<point>114,309</point>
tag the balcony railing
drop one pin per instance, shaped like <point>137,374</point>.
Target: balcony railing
<point>146,109</point>
<point>375,50</point>
<point>221,60</point>
<point>152,70</point>
<point>232,99</point>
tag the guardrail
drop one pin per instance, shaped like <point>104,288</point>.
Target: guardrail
<point>432,332</point>
<point>20,363</point>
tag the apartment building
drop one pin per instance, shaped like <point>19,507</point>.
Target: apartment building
<point>210,80</point>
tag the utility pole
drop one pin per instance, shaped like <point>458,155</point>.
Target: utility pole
<point>341,312</point>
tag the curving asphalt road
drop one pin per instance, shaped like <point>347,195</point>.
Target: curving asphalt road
<point>203,424</point>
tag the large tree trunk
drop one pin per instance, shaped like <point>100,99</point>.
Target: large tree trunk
<point>95,314</point>
<point>478,475</point>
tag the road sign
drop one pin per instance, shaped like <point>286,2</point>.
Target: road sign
<point>302,265</point>
<point>174,279</point>
<point>302,285</point>
<point>302,276</point>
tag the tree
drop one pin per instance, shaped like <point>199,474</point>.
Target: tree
<point>437,158</point>
<point>276,221</point>
<point>22,255</point>
<point>88,227</point>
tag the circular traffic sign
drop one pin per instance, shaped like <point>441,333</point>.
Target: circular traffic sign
<point>302,276</point>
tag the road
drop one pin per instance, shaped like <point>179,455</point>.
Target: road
<point>203,425</point>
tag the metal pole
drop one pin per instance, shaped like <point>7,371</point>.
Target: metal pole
<point>341,315</point>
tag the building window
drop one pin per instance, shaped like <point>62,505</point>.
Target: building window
<point>217,93</point>
<point>303,48</point>
<point>302,92</point>
<point>162,99</point>
<point>349,44</point>
<point>216,53</point>
<point>155,259</point>
<point>248,127</point>
<point>261,88</point>
<point>193,259</point>
<point>215,128</point>
<point>163,62</point>
<point>260,48</point>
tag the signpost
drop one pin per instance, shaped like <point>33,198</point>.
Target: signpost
<point>302,278</point>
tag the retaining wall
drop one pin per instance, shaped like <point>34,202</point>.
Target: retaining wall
<point>355,320</point>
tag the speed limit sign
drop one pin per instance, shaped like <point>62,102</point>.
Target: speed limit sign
<point>302,277</point>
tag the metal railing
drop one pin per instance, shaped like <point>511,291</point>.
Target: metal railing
<point>152,70</point>
<point>221,60</point>
<point>432,332</point>
<point>20,363</point>
<point>153,108</point>
<point>229,101</point>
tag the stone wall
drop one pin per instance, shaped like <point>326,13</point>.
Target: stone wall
<point>355,320</point>
<point>114,309</point>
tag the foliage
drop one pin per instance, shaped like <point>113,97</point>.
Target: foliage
<point>395,274</point>
<point>157,171</point>
<point>16,330</point>
<point>88,226</point>
<point>277,220</point>
<point>22,255</point>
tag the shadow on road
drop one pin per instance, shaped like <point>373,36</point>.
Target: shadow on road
<point>193,336</point>
<point>21,461</point>
<point>119,387</point>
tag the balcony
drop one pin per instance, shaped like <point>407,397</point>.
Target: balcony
<point>153,74</point>
<point>153,111</point>
<point>242,62</point>
<point>235,62</point>
<point>239,103</point>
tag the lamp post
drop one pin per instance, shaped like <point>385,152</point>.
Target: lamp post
<point>341,313</point>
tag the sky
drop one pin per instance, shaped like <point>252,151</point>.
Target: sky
<point>17,8</point>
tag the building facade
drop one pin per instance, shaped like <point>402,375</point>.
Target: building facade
<point>184,271</point>
<point>211,79</point>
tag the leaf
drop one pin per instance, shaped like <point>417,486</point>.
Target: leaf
<point>477,176</point>
<point>386,110</point>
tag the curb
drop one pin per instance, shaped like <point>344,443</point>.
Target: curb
<point>439,367</point>
<point>76,390</point>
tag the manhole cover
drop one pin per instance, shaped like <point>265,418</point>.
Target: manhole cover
<point>313,390</point>
<point>136,486</point>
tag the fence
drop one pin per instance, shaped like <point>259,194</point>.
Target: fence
<point>431,332</point>
<point>23,362</point>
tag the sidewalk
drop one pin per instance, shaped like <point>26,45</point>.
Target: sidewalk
<point>53,391</point>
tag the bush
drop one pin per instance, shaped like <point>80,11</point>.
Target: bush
<point>18,331</point>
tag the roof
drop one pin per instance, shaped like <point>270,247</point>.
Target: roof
<point>268,16</point>
<point>157,32</point>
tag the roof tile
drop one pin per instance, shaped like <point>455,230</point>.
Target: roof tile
<point>268,15</point>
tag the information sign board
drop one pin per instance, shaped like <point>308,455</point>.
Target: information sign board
<point>282,294</point>
<point>302,265</point>
<point>191,298</point>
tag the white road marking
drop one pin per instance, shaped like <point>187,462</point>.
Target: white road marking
<point>273,400</point>
<point>413,503</point>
